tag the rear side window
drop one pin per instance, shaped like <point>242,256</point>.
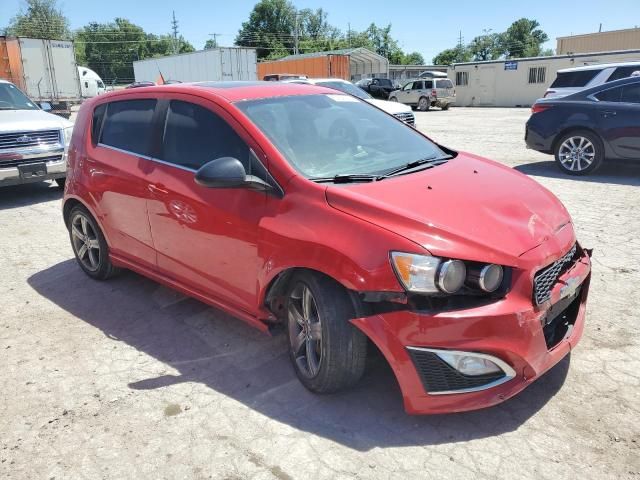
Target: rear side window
<point>96,124</point>
<point>574,79</point>
<point>128,125</point>
<point>194,135</point>
<point>631,93</point>
<point>611,95</point>
<point>622,72</point>
<point>444,83</point>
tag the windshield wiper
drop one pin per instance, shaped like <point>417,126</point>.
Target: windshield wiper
<point>429,161</point>
<point>346,178</point>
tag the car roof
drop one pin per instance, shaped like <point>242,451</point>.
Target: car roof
<point>590,91</point>
<point>231,91</point>
<point>599,66</point>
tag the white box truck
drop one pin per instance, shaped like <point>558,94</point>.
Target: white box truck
<point>215,64</point>
<point>43,69</point>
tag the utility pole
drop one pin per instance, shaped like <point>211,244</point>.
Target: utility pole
<point>174,27</point>
<point>215,39</point>
<point>295,36</point>
<point>349,34</point>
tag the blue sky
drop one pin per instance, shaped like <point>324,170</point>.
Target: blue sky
<point>427,29</point>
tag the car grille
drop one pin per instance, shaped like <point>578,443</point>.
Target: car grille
<point>546,278</point>
<point>438,376</point>
<point>28,139</point>
<point>407,117</point>
<point>24,161</point>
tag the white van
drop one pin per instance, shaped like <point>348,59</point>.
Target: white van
<point>572,80</point>
<point>90,83</point>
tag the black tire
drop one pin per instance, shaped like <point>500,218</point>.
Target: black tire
<point>573,165</point>
<point>424,104</point>
<point>103,268</point>
<point>342,347</point>
<point>446,107</point>
<point>61,182</point>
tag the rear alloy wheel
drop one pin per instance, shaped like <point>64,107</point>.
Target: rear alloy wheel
<point>579,153</point>
<point>423,104</point>
<point>327,352</point>
<point>89,245</point>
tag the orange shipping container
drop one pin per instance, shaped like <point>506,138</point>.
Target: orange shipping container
<point>325,66</point>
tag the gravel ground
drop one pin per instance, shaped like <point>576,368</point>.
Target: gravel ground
<point>128,379</point>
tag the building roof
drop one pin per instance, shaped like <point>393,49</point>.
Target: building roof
<point>550,57</point>
<point>607,32</point>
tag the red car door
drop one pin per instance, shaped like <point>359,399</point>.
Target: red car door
<point>205,238</point>
<point>116,162</point>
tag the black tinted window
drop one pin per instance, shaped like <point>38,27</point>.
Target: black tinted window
<point>574,79</point>
<point>444,84</point>
<point>622,72</point>
<point>428,84</point>
<point>98,115</point>
<point>631,93</point>
<point>194,136</point>
<point>128,125</point>
<point>611,95</point>
<point>417,86</point>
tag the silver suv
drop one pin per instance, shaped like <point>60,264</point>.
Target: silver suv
<point>33,143</point>
<point>426,93</point>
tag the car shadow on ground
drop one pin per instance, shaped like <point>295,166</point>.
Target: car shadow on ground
<point>208,346</point>
<point>620,172</point>
<point>28,194</point>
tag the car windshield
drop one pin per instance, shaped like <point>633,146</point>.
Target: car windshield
<point>329,135</point>
<point>11,98</point>
<point>384,82</point>
<point>346,87</point>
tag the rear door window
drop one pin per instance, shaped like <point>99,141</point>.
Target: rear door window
<point>631,94</point>
<point>128,125</point>
<point>428,84</point>
<point>611,95</point>
<point>574,79</point>
<point>417,85</point>
<point>622,72</point>
<point>194,135</point>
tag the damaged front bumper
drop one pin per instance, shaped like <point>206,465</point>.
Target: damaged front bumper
<point>522,340</point>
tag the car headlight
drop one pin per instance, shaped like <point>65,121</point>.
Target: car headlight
<point>67,131</point>
<point>433,275</point>
<point>427,274</point>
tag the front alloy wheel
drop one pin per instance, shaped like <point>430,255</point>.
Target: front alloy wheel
<point>305,331</point>
<point>579,153</point>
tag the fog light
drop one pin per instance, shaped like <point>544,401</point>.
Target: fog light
<point>471,365</point>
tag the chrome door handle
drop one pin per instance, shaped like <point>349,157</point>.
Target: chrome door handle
<point>157,189</point>
<point>609,113</point>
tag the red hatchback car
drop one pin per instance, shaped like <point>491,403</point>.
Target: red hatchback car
<point>300,208</point>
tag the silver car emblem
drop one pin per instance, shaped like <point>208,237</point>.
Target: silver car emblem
<point>24,139</point>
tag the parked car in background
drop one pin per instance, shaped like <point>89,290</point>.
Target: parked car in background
<point>426,93</point>
<point>301,209</point>
<point>33,143</point>
<point>377,87</point>
<point>400,111</point>
<point>584,129</point>
<point>276,77</point>
<point>432,74</point>
<point>572,80</point>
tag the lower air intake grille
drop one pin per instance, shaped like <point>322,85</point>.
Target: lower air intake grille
<point>438,376</point>
<point>545,279</point>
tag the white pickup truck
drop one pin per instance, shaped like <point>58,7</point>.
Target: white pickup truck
<point>33,143</point>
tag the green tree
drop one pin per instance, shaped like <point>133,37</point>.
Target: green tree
<point>40,19</point>
<point>413,58</point>
<point>523,39</point>
<point>457,54</point>
<point>110,48</point>
<point>487,46</point>
<point>270,28</point>
<point>211,43</point>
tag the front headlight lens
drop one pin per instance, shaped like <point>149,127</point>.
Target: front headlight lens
<point>451,275</point>
<point>417,273</point>
<point>67,135</point>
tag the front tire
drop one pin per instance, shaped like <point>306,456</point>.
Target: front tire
<point>89,245</point>
<point>424,104</point>
<point>327,352</point>
<point>579,152</point>
<point>393,99</point>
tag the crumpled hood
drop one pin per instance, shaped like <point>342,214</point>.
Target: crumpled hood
<point>469,208</point>
<point>30,120</point>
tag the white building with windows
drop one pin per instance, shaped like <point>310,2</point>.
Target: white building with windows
<point>519,82</point>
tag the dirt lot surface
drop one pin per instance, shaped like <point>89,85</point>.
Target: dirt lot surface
<point>127,379</point>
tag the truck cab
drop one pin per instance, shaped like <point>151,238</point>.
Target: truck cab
<point>91,85</point>
<point>33,143</point>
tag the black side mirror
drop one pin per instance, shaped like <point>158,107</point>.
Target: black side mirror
<point>228,172</point>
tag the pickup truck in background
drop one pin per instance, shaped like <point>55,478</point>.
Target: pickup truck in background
<point>45,70</point>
